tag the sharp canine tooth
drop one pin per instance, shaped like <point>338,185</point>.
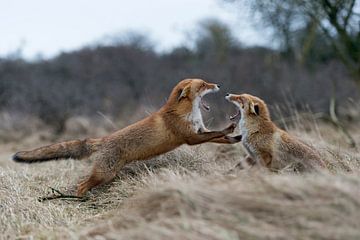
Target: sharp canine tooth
<point>232,117</point>
<point>205,106</point>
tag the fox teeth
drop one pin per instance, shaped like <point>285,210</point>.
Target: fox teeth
<point>205,106</point>
<point>232,117</point>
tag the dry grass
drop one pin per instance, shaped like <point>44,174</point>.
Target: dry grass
<point>187,194</point>
<point>245,206</point>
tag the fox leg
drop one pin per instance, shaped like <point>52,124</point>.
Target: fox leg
<point>243,164</point>
<point>94,180</point>
<point>203,137</point>
<point>208,136</point>
<point>227,140</point>
<point>266,159</point>
<point>102,173</point>
<point>248,161</point>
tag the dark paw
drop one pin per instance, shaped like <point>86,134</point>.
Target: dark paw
<point>236,168</point>
<point>235,139</point>
<point>238,138</point>
<point>239,166</point>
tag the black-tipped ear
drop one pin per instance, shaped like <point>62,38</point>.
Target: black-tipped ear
<point>184,92</point>
<point>257,109</point>
<point>254,108</point>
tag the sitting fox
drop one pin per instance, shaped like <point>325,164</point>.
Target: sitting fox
<point>178,122</point>
<point>265,142</point>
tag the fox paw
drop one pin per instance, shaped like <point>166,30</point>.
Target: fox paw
<point>235,139</point>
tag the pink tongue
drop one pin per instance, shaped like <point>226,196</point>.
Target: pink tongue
<point>205,106</point>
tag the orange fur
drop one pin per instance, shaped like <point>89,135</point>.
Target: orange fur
<point>177,122</point>
<point>265,142</point>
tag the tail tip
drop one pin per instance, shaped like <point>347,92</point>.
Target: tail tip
<point>17,158</point>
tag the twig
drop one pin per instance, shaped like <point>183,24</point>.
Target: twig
<point>61,196</point>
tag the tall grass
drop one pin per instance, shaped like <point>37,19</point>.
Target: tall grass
<point>188,194</point>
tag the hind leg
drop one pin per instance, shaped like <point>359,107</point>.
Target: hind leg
<point>102,173</point>
<point>94,180</point>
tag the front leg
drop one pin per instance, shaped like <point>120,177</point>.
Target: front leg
<point>246,163</point>
<point>203,137</point>
<point>266,159</point>
<point>227,140</point>
<point>249,162</point>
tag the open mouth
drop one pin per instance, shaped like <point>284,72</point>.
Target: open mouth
<point>236,115</point>
<point>204,105</point>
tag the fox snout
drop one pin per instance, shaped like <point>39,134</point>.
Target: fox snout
<point>209,88</point>
<point>214,86</point>
<point>230,97</point>
<point>235,98</point>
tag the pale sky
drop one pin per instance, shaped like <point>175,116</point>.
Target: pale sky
<point>48,27</point>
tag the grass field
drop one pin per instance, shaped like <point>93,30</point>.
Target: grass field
<point>188,194</point>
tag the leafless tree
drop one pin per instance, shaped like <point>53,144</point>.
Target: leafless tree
<point>338,21</point>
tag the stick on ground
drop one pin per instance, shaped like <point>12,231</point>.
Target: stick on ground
<point>61,195</point>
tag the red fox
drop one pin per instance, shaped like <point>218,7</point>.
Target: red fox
<point>178,122</point>
<point>264,141</point>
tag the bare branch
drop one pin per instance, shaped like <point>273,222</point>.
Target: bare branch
<point>61,195</point>
<point>349,14</point>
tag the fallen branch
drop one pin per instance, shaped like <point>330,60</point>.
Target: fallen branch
<point>61,195</point>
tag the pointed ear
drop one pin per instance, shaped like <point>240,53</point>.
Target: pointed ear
<point>184,92</point>
<point>254,108</point>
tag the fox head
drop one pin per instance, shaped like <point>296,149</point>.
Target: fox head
<point>249,106</point>
<point>192,91</point>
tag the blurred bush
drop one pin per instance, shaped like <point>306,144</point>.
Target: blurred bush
<point>118,77</point>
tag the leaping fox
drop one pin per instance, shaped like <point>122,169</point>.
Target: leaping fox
<point>178,122</point>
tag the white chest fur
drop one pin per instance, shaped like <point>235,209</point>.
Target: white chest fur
<point>195,116</point>
<point>242,127</point>
<point>244,137</point>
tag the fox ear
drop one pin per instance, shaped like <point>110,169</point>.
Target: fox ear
<point>184,92</point>
<point>254,108</point>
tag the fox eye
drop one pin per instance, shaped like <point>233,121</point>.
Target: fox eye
<point>203,85</point>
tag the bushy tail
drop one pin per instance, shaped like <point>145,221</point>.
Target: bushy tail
<point>75,149</point>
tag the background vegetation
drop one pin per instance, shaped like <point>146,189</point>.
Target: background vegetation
<point>309,78</point>
<point>124,73</point>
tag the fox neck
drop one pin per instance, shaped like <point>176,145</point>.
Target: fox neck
<point>186,111</point>
<point>249,125</point>
<point>195,117</point>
